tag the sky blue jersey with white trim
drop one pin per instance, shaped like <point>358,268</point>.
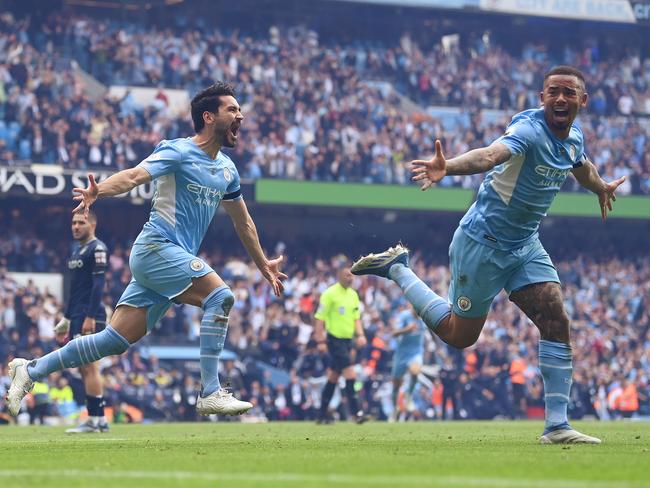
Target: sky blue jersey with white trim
<point>515,195</point>
<point>188,188</point>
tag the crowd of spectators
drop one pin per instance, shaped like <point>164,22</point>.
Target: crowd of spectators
<point>279,368</point>
<point>464,70</point>
<point>315,109</point>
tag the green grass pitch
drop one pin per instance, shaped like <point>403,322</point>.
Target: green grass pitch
<point>444,454</point>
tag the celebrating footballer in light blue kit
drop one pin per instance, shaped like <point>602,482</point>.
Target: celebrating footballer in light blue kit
<point>515,196</point>
<point>497,241</point>
<point>407,357</point>
<point>192,177</point>
<point>189,186</point>
<point>496,245</point>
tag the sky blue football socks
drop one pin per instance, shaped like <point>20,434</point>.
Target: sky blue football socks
<point>82,350</point>
<point>556,367</point>
<point>214,326</point>
<point>430,307</point>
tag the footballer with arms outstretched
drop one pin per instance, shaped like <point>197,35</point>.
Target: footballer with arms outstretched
<point>192,178</point>
<point>497,246</point>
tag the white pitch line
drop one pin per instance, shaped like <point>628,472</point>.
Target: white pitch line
<point>61,440</point>
<point>327,478</point>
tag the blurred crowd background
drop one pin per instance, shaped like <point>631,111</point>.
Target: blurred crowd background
<point>275,364</point>
<point>320,104</point>
<point>335,96</point>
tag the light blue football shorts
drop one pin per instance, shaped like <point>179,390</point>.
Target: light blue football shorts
<point>479,272</point>
<point>161,271</point>
<point>403,359</point>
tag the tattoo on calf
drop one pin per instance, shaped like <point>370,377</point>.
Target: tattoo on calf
<point>543,304</point>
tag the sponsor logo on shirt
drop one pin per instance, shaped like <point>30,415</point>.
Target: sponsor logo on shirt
<point>75,263</point>
<point>551,176</point>
<point>205,195</point>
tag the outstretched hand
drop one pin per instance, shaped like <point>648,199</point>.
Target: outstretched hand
<point>86,196</point>
<point>608,195</point>
<point>429,171</point>
<point>274,276</point>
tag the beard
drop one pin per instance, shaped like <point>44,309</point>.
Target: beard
<point>226,138</point>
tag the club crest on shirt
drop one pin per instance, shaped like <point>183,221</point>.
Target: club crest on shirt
<point>572,152</point>
<point>196,265</point>
<point>464,303</point>
<point>227,175</point>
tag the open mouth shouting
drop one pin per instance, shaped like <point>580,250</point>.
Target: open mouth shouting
<point>234,130</point>
<point>561,115</point>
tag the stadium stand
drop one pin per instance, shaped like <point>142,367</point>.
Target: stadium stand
<point>320,106</point>
<point>605,300</point>
<point>306,98</point>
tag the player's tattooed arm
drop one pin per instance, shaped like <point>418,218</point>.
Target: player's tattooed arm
<point>115,184</point>
<point>478,160</point>
<point>472,162</point>
<point>588,177</point>
<point>247,232</point>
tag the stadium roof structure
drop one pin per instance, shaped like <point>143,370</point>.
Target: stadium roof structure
<point>123,4</point>
<point>617,11</point>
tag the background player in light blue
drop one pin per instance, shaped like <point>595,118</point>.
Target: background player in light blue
<point>192,177</point>
<point>407,358</point>
<point>496,245</point>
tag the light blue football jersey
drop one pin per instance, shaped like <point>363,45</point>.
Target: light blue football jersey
<point>411,341</point>
<point>515,195</point>
<point>188,188</point>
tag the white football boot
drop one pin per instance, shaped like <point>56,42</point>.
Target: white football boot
<point>567,436</point>
<point>221,402</point>
<point>21,384</point>
<point>379,264</point>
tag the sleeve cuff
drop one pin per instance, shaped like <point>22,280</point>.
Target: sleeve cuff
<point>147,167</point>
<point>232,196</point>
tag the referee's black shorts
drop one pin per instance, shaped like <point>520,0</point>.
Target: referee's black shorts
<point>339,351</point>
